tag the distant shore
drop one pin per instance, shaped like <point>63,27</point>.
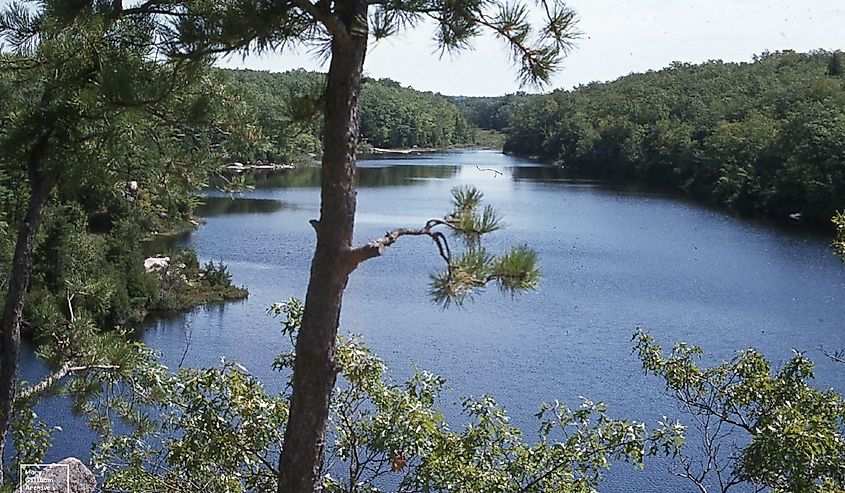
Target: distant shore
<point>403,150</point>
<point>236,166</point>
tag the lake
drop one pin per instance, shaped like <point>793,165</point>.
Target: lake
<point>612,258</point>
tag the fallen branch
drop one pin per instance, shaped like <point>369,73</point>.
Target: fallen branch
<point>58,375</point>
<point>836,356</point>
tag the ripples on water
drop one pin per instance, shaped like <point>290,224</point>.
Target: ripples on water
<point>613,258</point>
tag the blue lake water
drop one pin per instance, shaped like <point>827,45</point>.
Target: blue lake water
<point>612,259</point>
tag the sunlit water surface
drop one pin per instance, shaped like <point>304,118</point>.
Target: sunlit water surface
<point>612,258</point>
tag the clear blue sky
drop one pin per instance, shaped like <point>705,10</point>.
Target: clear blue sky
<point>620,36</point>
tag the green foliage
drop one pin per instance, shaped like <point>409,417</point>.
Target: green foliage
<point>216,275</point>
<point>121,137</point>
<point>536,47</point>
<point>488,139</point>
<point>467,275</point>
<point>285,107</point>
<point>31,438</point>
<point>575,446</point>
<point>101,276</point>
<point>787,435</point>
<point>395,116</point>
<point>489,113</point>
<point>834,66</point>
<point>761,138</point>
<point>183,284</point>
<point>839,241</point>
<point>288,108</point>
<point>128,136</point>
<point>466,198</point>
<point>220,430</point>
<point>85,360</point>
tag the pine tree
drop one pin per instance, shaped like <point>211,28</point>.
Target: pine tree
<point>86,93</point>
<point>834,66</point>
<point>341,30</point>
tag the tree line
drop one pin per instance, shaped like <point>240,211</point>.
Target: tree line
<point>763,138</point>
<point>489,113</point>
<point>288,107</point>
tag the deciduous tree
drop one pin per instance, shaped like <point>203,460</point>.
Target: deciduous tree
<point>758,427</point>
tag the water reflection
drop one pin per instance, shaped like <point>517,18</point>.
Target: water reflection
<point>160,244</point>
<point>384,175</point>
<point>539,173</point>
<point>560,174</point>
<point>217,206</point>
<point>213,206</point>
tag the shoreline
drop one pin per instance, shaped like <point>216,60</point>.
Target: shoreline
<point>240,167</point>
<point>413,151</point>
<point>787,221</point>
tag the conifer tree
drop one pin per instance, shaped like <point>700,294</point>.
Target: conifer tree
<point>834,66</point>
<point>341,31</point>
<point>87,91</point>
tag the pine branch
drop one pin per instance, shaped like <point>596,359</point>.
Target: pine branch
<point>332,23</point>
<point>148,7</point>
<point>377,247</point>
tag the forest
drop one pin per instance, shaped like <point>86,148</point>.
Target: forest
<point>286,107</point>
<point>764,138</point>
<point>113,121</point>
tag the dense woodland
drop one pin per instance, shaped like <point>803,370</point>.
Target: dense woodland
<point>490,113</point>
<point>287,109</point>
<point>765,137</point>
<point>122,181</point>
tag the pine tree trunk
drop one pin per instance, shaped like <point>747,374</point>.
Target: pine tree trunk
<point>10,342</point>
<point>314,370</point>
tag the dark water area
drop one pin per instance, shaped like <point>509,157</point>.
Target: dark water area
<point>613,258</point>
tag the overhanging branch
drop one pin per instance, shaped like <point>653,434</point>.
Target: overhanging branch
<point>377,247</point>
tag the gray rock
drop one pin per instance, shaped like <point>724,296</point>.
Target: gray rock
<point>67,476</point>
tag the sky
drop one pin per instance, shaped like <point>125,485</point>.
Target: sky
<point>619,37</point>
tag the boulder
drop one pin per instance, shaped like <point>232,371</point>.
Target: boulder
<point>156,264</point>
<point>67,476</point>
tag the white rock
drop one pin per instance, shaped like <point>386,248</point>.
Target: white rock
<point>155,264</point>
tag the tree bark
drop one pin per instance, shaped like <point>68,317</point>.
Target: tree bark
<point>314,371</point>
<point>41,186</point>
